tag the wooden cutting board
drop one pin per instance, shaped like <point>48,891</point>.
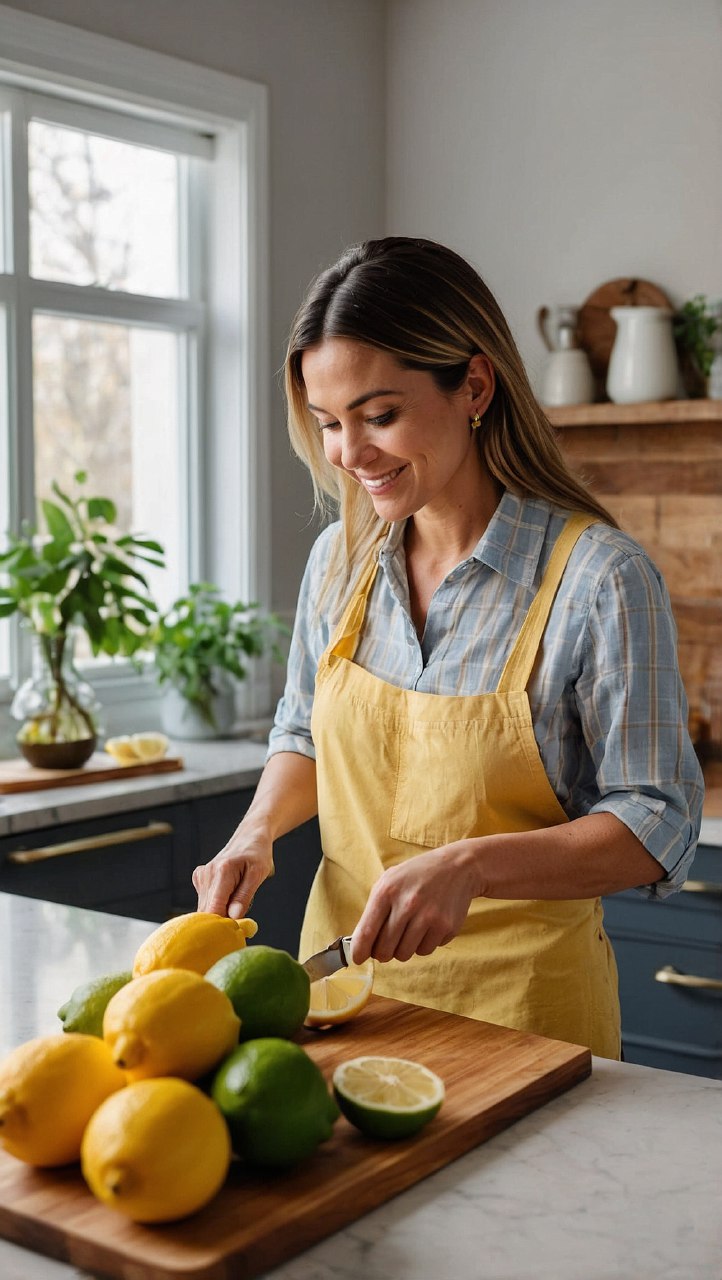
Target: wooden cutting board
<point>492,1075</point>
<point>17,775</point>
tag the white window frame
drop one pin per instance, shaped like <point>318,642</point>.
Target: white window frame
<point>229,455</point>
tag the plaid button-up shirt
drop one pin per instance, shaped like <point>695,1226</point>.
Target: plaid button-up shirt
<point>607,702</point>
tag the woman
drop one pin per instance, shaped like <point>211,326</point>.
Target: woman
<point>483,702</point>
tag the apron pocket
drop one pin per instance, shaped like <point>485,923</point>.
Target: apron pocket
<point>436,797</point>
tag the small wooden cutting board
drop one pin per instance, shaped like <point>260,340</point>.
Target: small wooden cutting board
<point>18,775</point>
<point>493,1076</point>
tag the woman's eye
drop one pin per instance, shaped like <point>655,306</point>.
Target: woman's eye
<point>383,419</point>
<point>327,426</point>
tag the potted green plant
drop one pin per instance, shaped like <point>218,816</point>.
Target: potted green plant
<point>694,327</point>
<point>202,645</point>
<point>80,573</point>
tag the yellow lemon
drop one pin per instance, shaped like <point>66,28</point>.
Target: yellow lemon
<point>169,1023</point>
<point>156,1152</point>
<point>49,1088</point>
<point>192,941</point>
<point>342,996</point>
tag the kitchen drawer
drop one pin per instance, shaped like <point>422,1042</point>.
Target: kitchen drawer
<point>667,1012</point>
<point>121,863</point>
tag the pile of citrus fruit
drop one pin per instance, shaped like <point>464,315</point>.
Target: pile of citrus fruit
<point>164,1072</point>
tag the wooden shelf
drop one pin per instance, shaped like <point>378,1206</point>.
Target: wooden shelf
<point>650,412</point>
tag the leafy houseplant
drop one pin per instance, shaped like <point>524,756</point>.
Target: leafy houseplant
<point>694,326</point>
<point>81,573</point>
<point>201,646</point>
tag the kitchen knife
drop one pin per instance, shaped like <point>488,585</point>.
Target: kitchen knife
<point>334,957</point>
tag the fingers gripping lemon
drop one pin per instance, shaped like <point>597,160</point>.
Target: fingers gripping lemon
<point>169,1023</point>
<point>192,941</point>
<point>159,1153</point>
<point>49,1088</point>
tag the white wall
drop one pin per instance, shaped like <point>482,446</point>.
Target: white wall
<point>324,63</point>
<point>559,144</point>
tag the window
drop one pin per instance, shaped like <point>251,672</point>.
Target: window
<point>132,301</point>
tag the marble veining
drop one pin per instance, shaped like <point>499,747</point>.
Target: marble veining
<point>618,1179</point>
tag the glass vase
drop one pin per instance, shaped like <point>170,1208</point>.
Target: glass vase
<point>59,709</point>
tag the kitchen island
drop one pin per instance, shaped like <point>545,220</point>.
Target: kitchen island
<point>618,1179</point>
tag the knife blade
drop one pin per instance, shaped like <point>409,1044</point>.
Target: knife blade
<point>333,957</point>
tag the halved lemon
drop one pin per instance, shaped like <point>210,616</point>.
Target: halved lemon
<point>340,997</point>
<point>121,749</point>
<point>149,746</point>
<point>387,1097</point>
<point>137,748</point>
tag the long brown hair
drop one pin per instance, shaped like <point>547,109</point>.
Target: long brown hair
<point>429,308</point>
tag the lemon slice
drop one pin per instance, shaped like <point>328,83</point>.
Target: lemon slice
<point>137,748</point>
<point>336,999</point>
<point>387,1097</point>
<point>121,749</point>
<point>149,746</point>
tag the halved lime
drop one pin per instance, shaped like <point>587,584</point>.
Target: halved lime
<point>387,1097</point>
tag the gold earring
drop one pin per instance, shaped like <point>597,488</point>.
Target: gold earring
<point>475,422</point>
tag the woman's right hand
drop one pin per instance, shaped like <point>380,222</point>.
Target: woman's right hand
<point>227,884</point>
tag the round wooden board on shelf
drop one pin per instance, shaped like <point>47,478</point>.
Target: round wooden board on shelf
<point>596,328</point>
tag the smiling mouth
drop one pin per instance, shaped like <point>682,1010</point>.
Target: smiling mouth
<point>378,483</point>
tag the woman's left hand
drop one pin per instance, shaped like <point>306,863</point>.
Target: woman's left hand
<point>418,905</point>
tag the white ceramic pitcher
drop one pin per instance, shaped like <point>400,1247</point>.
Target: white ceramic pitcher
<point>643,363</point>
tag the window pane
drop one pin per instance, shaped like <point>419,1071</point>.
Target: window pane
<point>106,402</point>
<point>102,212</point>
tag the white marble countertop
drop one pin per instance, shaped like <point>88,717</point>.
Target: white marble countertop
<point>618,1179</point>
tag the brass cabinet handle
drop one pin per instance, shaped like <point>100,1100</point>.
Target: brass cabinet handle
<point>676,979</point>
<point>88,843</point>
<point>702,886</point>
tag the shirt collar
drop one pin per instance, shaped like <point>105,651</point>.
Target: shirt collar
<point>511,544</point>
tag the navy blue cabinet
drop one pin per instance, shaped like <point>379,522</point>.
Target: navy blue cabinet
<point>669,955</point>
<point>121,863</point>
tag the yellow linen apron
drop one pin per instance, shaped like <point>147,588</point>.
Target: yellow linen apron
<point>398,772</point>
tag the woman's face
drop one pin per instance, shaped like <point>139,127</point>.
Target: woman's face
<point>405,441</point>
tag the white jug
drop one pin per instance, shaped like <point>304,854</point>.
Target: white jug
<point>568,377</point>
<point>643,363</point>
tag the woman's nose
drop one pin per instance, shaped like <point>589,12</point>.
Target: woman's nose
<point>356,449</point>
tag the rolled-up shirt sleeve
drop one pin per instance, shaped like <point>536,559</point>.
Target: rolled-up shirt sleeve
<point>291,729</point>
<point>633,711</point>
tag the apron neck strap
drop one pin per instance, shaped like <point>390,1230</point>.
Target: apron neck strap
<point>520,662</point>
<point>345,637</point>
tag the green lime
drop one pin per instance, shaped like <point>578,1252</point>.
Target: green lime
<point>84,1010</point>
<point>275,1102</point>
<point>269,990</point>
<point>387,1097</point>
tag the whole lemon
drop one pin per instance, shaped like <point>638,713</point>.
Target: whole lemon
<point>156,1152</point>
<point>85,1009</point>
<point>192,941</point>
<point>275,1101</point>
<point>49,1088</point>
<point>269,990</point>
<point>169,1023</point>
